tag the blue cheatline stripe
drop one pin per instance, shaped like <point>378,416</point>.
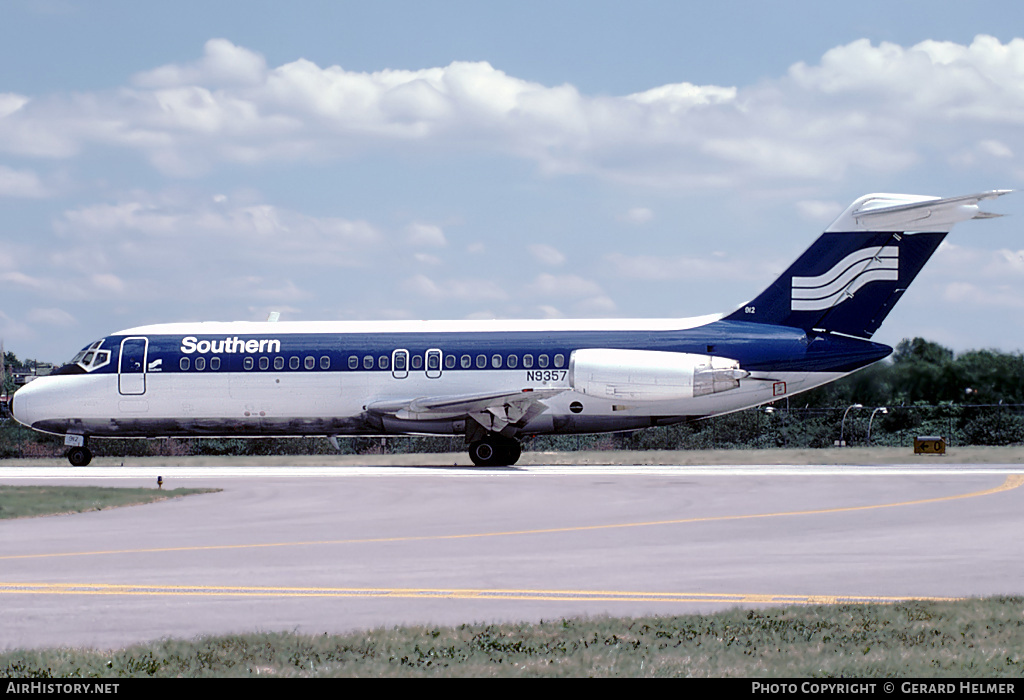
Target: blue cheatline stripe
<point>755,346</point>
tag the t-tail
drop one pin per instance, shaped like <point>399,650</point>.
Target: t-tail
<point>851,277</point>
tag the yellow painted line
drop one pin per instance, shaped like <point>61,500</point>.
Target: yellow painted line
<point>1012,482</point>
<point>110,589</point>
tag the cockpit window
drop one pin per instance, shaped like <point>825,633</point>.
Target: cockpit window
<point>91,358</point>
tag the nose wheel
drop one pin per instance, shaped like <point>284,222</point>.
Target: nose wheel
<point>495,451</point>
<point>79,456</point>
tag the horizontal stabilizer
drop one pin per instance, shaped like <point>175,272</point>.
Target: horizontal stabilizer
<point>905,212</point>
<point>848,281</point>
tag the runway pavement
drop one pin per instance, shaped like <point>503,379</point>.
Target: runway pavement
<point>330,549</point>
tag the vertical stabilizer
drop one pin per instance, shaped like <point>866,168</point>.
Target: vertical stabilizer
<point>851,277</point>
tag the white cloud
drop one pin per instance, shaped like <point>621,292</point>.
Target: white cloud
<point>10,103</point>
<point>638,215</point>
<point>966,294</point>
<point>595,306</point>
<point>546,254</point>
<point>874,107</point>
<point>20,183</point>
<point>222,63</point>
<point>20,279</point>
<point>426,235</point>
<point>470,289</point>
<point>426,259</point>
<point>994,148</point>
<point>564,286</point>
<point>51,317</point>
<point>818,210</point>
<point>654,267</point>
<point>265,230</point>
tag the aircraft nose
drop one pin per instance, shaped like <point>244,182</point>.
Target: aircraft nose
<point>22,405</point>
<point>19,405</point>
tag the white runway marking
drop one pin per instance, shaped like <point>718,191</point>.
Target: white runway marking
<point>242,472</point>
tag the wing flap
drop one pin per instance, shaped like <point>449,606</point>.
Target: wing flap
<point>493,410</point>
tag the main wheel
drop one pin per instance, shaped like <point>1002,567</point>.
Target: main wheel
<point>495,451</point>
<point>79,456</point>
<point>484,453</point>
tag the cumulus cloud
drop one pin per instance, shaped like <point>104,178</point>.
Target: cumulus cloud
<point>875,107</point>
<point>222,63</point>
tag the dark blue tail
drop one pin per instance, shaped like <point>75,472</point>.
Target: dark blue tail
<point>851,277</point>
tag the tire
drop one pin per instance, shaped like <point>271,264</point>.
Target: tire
<point>495,451</point>
<point>79,456</point>
<point>513,452</point>
<point>485,453</point>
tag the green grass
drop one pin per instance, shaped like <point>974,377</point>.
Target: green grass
<point>971,638</point>
<point>31,501</point>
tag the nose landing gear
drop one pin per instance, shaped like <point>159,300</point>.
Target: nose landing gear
<point>79,454</point>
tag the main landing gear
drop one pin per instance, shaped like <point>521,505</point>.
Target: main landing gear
<point>495,450</point>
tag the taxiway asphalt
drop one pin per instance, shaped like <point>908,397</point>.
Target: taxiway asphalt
<point>334,549</point>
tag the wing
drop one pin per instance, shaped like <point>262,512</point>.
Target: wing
<point>495,411</point>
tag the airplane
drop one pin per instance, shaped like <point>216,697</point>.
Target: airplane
<point>497,381</point>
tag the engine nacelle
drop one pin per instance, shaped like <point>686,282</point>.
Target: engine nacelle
<point>649,375</point>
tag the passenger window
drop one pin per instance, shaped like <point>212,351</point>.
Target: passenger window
<point>247,363</point>
<point>215,363</point>
<point>278,363</point>
<point>325,362</point>
<point>383,361</point>
<point>496,361</point>
<point>527,361</point>
<point>353,362</point>
<point>264,362</point>
<point>433,362</point>
<point>368,362</point>
<point>559,360</point>
<point>184,363</point>
<point>417,361</point>
<point>466,361</point>
<point>449,361</point>
<point>309,362</point>
<point>512,361</point>
<point>542,361</point>
<point>293,362</point>
<point>200,363</point>
<point>401,360</point>
<point>481,361</point>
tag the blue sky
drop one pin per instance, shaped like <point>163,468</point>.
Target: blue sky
<point>332,160</point>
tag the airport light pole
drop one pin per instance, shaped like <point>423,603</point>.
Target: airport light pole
<point>842,426</point>
<point>884,410</point>
<point>768,411</point>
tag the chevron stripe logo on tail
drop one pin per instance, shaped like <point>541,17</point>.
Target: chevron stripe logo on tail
<point>857,269</point>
